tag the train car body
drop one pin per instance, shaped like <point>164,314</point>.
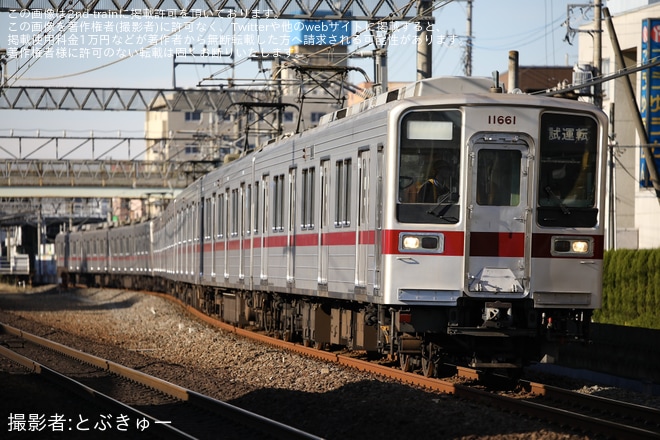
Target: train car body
<point>345,234</point>
<point>130,251</point>
<point>87,250</point>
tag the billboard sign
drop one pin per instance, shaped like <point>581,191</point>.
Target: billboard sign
<point>649,105</point>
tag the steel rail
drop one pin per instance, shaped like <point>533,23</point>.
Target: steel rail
<point>277,429</point>
<point>571,419</point>
<point>603,404</point>
<point>554,415</point>
<point>79,388</point>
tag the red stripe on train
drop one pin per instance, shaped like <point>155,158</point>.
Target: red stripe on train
<point>497,244</point>
<point>482,244</point>
<point>454,242</point>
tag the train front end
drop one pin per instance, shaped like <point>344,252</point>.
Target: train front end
<point>502,259</point>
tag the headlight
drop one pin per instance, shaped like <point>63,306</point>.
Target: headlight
<point>576,246</point>
<point>421,242</point>
<point>410,242</point>
<point>580,247</point>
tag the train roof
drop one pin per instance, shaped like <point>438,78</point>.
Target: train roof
<point>444,85</point>
<point>441,86</point>
<point>448,89</point>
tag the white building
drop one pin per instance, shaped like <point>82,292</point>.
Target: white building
<point>636,209</point>
<point>308,82</point>
<point>209,136</point>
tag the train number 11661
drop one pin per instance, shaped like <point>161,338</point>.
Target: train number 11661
<point>501,120</point>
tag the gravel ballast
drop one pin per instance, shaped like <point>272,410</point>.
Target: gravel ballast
<point>155,336</point>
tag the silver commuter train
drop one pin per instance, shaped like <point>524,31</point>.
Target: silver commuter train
<point>324,236</point>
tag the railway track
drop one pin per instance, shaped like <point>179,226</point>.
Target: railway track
<point>135,400</point>
<point>565,408</point>
<point>593,413</point>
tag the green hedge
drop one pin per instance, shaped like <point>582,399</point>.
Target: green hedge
<point>631,288</point>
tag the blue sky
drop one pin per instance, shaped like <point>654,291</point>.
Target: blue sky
<point>498,27</point>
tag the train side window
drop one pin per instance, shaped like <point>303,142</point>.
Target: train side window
<point>221,216</point>
<point>208,219</point>
<point>186,225</point>
<point>227,218</point>
<point>255,205</point>
<point>324,217</point>
<point>196,219</point>
<point>185,234</point>
<point>247,217</point>
<point>307,202</point>
<point>234,212</point>
<point>292,200</point>
<point>363,189</point>
<point>266,207</point>
<point>187,237</point>
<point>193,222</point>
<point>182,228</point>
<point>213,221</point>
<point>278,203</point>
<point>303,199</point>
<point>343,193</point>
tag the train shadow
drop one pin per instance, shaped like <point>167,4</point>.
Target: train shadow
<point>49,298</point>
<point>375,409</point>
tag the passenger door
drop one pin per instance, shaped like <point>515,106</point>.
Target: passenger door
<point>291,229</point>
<point>324,221</point>
<point>265,227</point>
<point>497,246</point>
<point>363,226</point>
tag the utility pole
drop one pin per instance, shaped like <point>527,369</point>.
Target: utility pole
<point>380,67</point>
<point>379,55</point>
<point>467,68</point>
<point>598,52</point>
<point>425,39</point>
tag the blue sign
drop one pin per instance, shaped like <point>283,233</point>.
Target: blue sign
<point>650,95</point>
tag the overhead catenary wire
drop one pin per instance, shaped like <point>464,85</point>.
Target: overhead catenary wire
<point>528,38</point>
<point>103,66</point>
<point>131,55</point>
<point>599,79</point>
<point>367,28</point>
<point>15,76</point>
<point>40,38</point>
<point>437,6</point>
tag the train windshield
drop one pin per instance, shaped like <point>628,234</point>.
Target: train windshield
<point>567,170</point>
<point>429,157</point>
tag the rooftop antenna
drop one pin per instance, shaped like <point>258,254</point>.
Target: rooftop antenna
<point>495,88</point>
